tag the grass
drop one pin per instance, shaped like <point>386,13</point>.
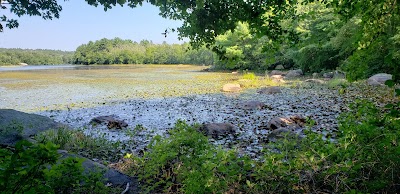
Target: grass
<point>77,142</point>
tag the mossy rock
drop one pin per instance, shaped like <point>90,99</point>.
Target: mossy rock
<point>16,125</point>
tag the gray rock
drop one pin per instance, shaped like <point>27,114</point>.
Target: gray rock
<point>279,67</point>
<point>16,125</point>
<point>111,176</point>
<point>328,75</point>
<point>379,79</point>
<point>315,75</point>
<point>339,75</point>
<point>315,81</point>
<point>231,88</point>
<point>270,90</point>
<point>294,74</point>
<point>110,121</point>
<point>216,130</point>
<point>293,122</point>
<point>277,72</point>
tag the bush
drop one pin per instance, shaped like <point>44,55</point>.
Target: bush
<point>32,168</point>
<point>186,162</point>
<point>86,146</point>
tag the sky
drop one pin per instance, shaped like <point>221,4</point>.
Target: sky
<point>80,23</point>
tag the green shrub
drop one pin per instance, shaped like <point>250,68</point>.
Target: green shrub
<point>87,146</point>
<point>32,168</point>
<point>186,162</point>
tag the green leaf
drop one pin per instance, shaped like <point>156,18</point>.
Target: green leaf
<point>389,83</point>
<point>397,92</point>
<point>389,106</point>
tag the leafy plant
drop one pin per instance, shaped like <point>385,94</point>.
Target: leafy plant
<point>186,162</point>
<point>32,168</point>
<point>87,146</point>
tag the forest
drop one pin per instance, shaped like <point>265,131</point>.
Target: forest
<point>118,51</point>
<point>34,57</point>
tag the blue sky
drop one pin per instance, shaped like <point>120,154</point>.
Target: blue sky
<point>80,23</point>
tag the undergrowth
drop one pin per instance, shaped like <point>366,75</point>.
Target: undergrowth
<point>33,168</point>
<point>365,157</point>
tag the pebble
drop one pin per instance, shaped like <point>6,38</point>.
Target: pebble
<point>158,115</point>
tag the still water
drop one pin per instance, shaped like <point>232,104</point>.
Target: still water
<point>36,88</point>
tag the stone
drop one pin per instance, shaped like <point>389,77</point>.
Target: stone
<point>252,105</point>
<point>231,87</point>
<point>339,75</point>
<point>379,79</point>
<point>270,90</point>
<point>328,75</point>
<point>16,125</point>
<point>216,130</point>
<point>293,122</point>
<point>294,74</point>
<point>279,67</point>
<point>277,78</point>
<point>110,121</point>
<point>315,75</point>
<point>112,177</point>
<point>315,81</point>
<point>277,72</point>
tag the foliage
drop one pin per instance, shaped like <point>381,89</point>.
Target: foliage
<point>86,146</point>
<point>118,51</point>
<point>187,163</point>
<point>46,9</point>
<point>364,157</point>
<point>32,168</point>
<point>34,57</point>
<point>314,58</point>
<point>239,49</point>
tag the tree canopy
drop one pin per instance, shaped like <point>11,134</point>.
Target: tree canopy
<point>361,36</point>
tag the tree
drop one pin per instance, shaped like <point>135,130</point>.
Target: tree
<point>46,9</point>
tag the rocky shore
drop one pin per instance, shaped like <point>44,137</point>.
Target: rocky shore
<point>150,117</point>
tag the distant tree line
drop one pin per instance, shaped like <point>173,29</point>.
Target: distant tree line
<point>118,51</point>
<point>34,57</point>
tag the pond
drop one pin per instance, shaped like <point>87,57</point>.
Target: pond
<point>36,88</point>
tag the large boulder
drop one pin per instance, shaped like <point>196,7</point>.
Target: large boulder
<point>110,121</point>
<point>16,125</point>
<point>277,72</point>
<point>291,122</point>
<point>379,79</point>
<point>294,74</point>
<point>231,88</point>
<point>112,177</point>
<point>217,130</point>
<point>277,78</point>
<point>270,90</point>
